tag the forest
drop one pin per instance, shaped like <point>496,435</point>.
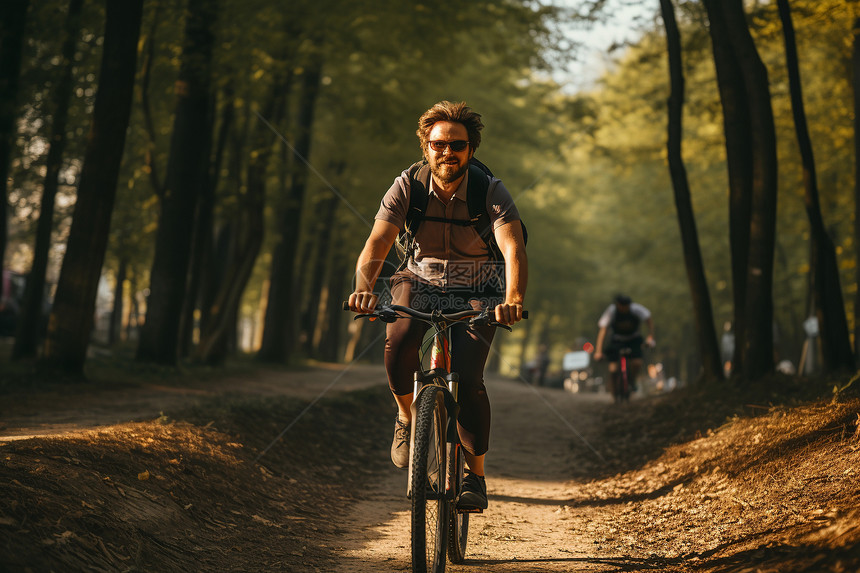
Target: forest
<point>194,179</point>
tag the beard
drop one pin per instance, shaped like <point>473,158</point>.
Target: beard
<point>448,172</point>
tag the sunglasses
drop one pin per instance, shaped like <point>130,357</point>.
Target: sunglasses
<point>456,146</point>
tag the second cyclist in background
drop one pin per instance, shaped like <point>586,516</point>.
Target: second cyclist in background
<point>622,320</point>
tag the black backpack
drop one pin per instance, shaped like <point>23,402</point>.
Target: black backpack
<point>476,199</point>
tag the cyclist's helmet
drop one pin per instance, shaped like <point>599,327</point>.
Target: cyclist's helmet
<point>623,299</point>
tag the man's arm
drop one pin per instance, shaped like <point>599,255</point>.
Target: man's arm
<point>513,247</point>
<point>369,265</point>
<point>650,339</point>
<point>598,346</point>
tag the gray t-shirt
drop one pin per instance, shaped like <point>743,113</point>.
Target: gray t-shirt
<point>446,254</point>
<point>608,316</point>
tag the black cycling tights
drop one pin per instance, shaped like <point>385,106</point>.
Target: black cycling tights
<point>469,351</point>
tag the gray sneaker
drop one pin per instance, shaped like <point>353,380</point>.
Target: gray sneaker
<point>400,444</point>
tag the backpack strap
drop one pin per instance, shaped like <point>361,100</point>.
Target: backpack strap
<point>479,184</point>
<point>419,197</point>
<point>476,199</point>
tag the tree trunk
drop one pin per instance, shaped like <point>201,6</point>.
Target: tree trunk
<point>333,315</point>
<point>758,324</point>
<point>118,303</point>
<point>71,321</point>
<point>855,63</point>
<point>304,267</point>
<point>201,243</point>
<point>207,216</point>
<point>13,17</point>
<point>186,173</point>
<point>316,309</point>
<point>705,333</point>
<point>133,323</point>
<point>355,330</point>
<point>31,319</point>
<point>736,124</point>
<point>148,52</point>
<point>280,308</point>
<point>746,78</point>
<point>835,341</point>
<point>248,239</point>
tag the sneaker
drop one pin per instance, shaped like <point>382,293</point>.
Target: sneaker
<point>400,444</point>
<point>474,494</point>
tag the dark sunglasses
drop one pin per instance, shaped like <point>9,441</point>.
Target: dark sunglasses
<point>456,146</point>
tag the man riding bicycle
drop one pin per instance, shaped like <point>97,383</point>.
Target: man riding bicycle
<point>449,267</point>
<point>624,317</point>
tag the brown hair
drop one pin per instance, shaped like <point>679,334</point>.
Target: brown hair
<point>450,111</point>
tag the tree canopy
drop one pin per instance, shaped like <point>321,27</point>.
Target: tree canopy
<point>588,169</point>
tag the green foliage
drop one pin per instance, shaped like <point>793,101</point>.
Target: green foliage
<point>588,170</point>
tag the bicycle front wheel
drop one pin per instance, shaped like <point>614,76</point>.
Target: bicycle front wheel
<point>430,509</point>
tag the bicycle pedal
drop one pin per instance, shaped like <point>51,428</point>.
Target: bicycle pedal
<point>469,510</point>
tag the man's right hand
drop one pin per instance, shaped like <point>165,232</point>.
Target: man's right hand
<point>362,301</point>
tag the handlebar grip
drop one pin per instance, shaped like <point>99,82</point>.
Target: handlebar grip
<point>345,305</point>
<point>525,314</point>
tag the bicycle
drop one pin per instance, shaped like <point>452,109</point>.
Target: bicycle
<point>436,460</point>
<point>621,393</point>
<point>621,390</point>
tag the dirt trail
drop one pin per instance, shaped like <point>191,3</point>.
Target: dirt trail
<point>673,484</point>
<point>528,526</point>
<point>76,407</point>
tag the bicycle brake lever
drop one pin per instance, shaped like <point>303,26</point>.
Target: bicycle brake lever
<point>485,320</point>
<point>387,315</point>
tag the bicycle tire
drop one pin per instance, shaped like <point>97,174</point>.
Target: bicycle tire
<point>458,528</point>
<point>430,508</point>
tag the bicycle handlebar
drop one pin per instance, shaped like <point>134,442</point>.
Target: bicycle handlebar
<point>389,314</point>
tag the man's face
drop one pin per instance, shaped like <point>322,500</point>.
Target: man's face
<point>446,164</point>
<point>622,308</point>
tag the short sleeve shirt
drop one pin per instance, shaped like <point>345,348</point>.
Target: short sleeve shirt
<point>609,314</point>
<point>449,255</point>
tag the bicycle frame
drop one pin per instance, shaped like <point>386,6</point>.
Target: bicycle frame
<point>439,374</point>
<point>625,380</point>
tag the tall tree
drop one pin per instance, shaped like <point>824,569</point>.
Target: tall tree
<point>13,16</point>
<point>855,64</point>
<point>736,125</point>
<point>705,333</point>
<point>280,309</point>
<point>186,174</point>
<point>746,78</point>
<point>71,320</point>
<point>247,235</point>
<point>827,291</point>
<point>30,321</point>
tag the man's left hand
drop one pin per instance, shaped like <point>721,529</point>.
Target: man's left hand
<point>507,313</point>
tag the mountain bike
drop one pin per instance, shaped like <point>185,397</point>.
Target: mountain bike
<point>436,460</point>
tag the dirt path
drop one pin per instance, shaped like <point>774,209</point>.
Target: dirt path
<point>529,525</point>
<point>575,483</point>
<point>535,451</point>
<point>76,407</point>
